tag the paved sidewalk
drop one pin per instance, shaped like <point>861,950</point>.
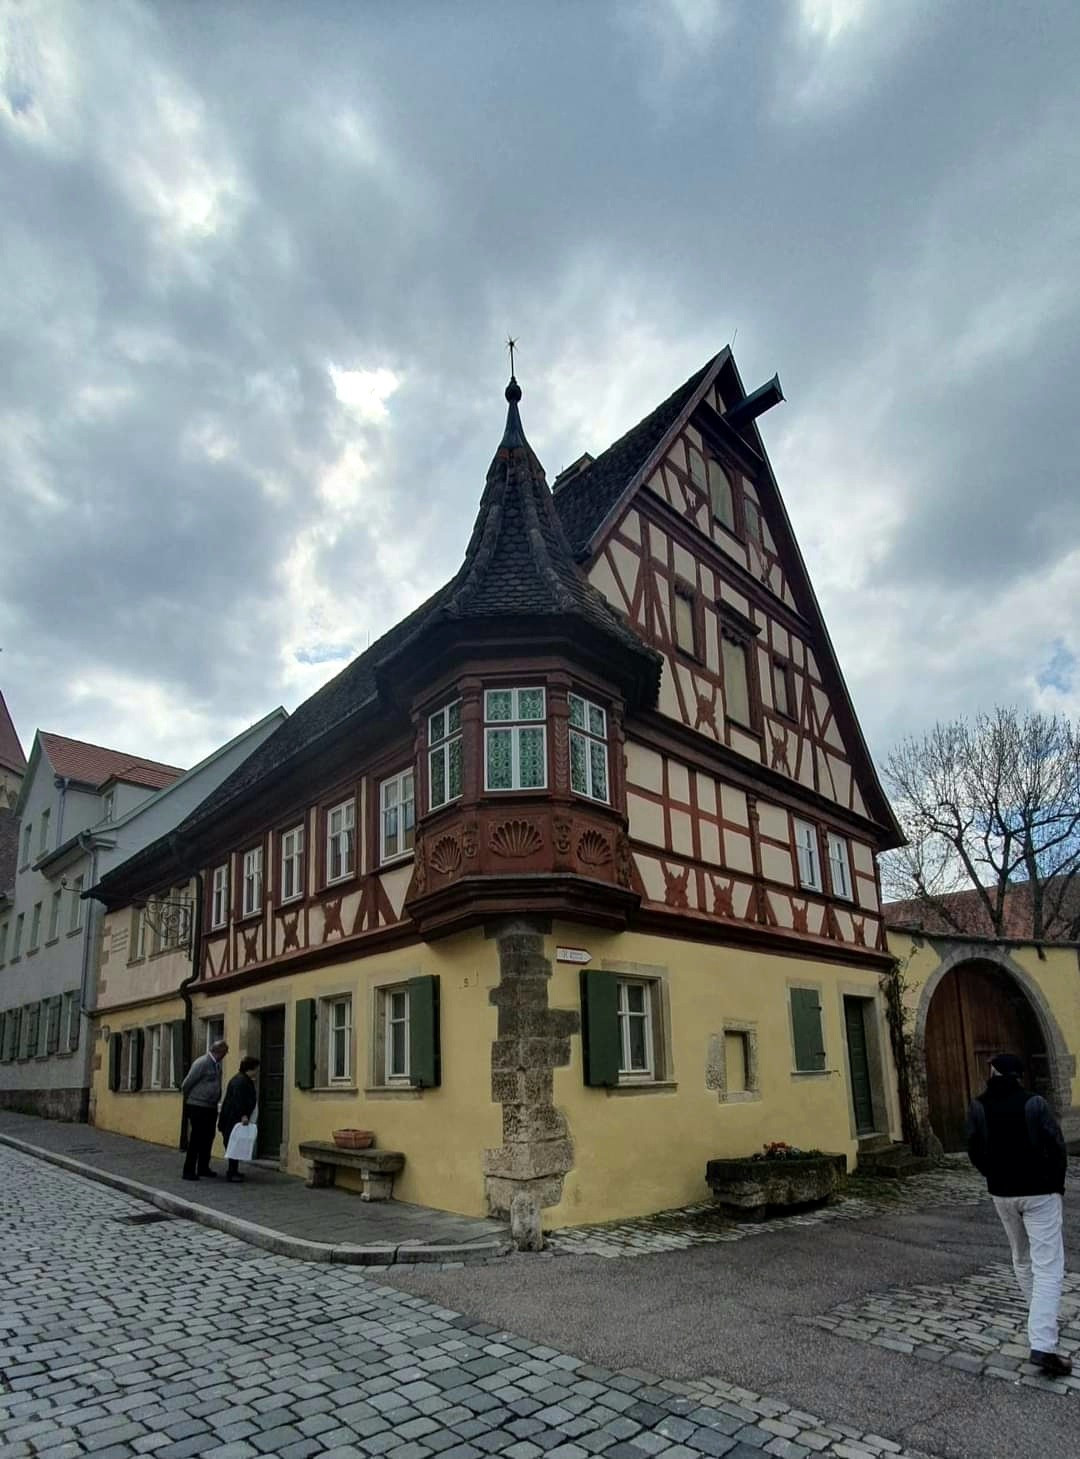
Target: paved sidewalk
<point>267,1201</point>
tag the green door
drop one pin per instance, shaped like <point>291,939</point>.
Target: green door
<point>862,1096</point>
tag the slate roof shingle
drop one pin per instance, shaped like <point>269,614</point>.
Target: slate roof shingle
<point>584,502</point>
<point>94,764</point>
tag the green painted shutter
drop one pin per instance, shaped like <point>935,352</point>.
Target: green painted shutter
<point>33,1037</point>
<point>425,1061</point>
<point>116,1045</point>
<point>305,1043</point>
<point>139,1039</point>
<point>52,1037</point>
<point>600,1028</point>
<point>806,1025</point>
<point>176,1031</point>
<point>74,1022</point>
<point>3,1038</point>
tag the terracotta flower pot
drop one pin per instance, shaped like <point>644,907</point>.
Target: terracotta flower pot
<point>353,1139</point>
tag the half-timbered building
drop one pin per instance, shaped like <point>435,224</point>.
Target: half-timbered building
<point>568,883</point>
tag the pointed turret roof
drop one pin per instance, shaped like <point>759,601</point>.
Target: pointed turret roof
<point>11,751</point>
<point>519,562</point>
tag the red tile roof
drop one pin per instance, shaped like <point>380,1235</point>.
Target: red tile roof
<point>970,918</point>
<point>11,752</point>
<point>94,765</point>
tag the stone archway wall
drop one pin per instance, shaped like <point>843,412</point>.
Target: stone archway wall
<point>1061,1063</point>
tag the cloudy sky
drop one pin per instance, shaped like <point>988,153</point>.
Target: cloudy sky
<point>259,262</point>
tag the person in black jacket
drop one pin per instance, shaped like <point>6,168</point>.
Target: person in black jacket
<point>237,1108</point>
<point>1016,1143</point>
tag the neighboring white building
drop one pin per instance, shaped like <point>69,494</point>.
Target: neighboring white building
<point>83,810</point>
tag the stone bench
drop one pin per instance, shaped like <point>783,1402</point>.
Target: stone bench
<point>377,1167</point>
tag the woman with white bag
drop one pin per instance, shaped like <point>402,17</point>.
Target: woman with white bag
<point>235,1121</point>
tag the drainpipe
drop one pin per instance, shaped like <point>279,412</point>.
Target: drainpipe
<point>85,840</point>
<point>185,992</point>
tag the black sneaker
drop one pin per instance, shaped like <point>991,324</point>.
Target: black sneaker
<point>185,1176</point>
<point>208,1174</point>
<point>1052,1364</point>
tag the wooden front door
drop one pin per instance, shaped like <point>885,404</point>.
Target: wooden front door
<point>271,1083</point>
<point>862,1093</point>
<point>975,1013</point>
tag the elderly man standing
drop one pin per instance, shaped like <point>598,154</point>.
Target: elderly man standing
<point>1016,1143</point>
<point>201,1091</point>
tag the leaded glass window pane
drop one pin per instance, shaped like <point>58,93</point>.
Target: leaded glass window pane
<point>598,756</point>
<point>530,704</point>
<point>500,704</point>
<point>437,726</point>
<point>577,712</point>
<point>531,753</point>
<point>579,764</point>
<point>453,717</point>
<point>500,760</point>
<point>454,777</point>
<point>438,777</point>
<point>597,720</point>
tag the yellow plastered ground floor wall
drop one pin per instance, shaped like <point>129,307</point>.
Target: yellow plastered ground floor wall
<point>637,1149</point>
<point>150,1114</point>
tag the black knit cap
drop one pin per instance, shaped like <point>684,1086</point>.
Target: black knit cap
<point>1008,1064</point>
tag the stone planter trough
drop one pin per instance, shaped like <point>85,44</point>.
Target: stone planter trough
<point>752,1189</point>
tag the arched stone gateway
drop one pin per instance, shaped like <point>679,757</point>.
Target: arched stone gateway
<point>976,1003</point>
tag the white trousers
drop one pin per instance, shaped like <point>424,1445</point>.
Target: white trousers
<point>1033,1226</point>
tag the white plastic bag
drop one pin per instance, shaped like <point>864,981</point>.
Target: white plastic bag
<point>241,1144</point>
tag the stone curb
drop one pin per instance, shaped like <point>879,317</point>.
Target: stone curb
<point>385,1253</point>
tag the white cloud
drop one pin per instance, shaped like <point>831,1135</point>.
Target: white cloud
<point>365,392</point>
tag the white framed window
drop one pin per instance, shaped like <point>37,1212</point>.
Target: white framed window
<point>734,657</point>
<point>213,1032</point>
<point>130,1061</point>
<point>397,815</point>
<point>16,946</point>
<point>395,1031</point>
<point>721,495</point>
<point>636,1034</point>
<point>157,1059</point>
<point>109,806</point>
<point>806,848</point>
<point>444,755</point>
<point>75,920</point>
<point>55,907</point>
<point>35,927</point>
<point>253,881</point>
<point>685,622</point>
<point>341,840</point>
<point>292,864</point>
<point>70,1032</point>
<point>27,840</point>
<point>219,898</point>
<point>515,739</point>
<point>588,749</point>
<point>43,838</point>
<point>339,1040</point>
<point>3,942</point>
<point>839,866</point>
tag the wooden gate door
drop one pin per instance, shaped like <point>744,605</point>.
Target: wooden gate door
<point>271,1083</point>
<point>862,1094</point>
<point>976,1012</point>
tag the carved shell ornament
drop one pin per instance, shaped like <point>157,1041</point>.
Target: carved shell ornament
<point>593,849</point>
<point>515,839</point>
<point>445,855</point>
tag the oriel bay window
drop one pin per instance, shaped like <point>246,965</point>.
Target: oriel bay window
<point>292,864</point>
<point>397,815</point>
<point>253,881</point>
<point>588,749</point>
<point>444,755</point>
<point>340,841</point>
<point>515,739</point>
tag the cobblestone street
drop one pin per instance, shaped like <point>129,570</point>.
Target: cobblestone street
<point>124,1334</point>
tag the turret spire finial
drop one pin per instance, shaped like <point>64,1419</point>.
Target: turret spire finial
<point>514,435</point>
